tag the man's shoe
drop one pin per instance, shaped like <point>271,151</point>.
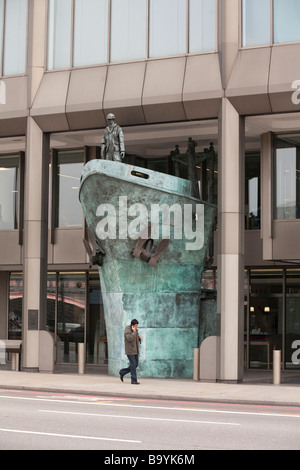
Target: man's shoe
<point>135,383</point>
<point>121,377</point>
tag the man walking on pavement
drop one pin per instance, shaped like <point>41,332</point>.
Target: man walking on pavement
<point>131,339</point>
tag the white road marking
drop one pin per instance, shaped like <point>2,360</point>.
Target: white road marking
<point>72,436</point>
<point>138,417</point>
<point>193,410</point>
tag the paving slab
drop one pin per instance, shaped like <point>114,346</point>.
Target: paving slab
<point>252,392</point>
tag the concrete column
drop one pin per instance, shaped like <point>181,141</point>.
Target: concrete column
<point>229,21</point>
<point>36,196</point>
<point>230,243</point>
<point>35,242</point>
<point>37,37</point>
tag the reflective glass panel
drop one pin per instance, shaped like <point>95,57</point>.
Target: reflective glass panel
<point>265,316</point>
<point>256,22</point>
<point>252,191</point>
<point>128,30</point>
<point>287,183</point>
<point>15,306</point>
<point>167,27</point>
<point>59,34</point>
<point>208,280</point>
<point>51,301</point>
<point>96,340</point>
<point>292,320</point>
<point>202,25</point>
<point>9,192</point>
<point>286,21</point>
<point>70,165</point>
<point>90,32</point>
<point>70,315</point>
<point>15,35</point>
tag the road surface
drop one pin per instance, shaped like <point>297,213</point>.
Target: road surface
<point>54,421</point>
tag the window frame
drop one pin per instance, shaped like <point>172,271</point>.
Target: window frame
<point>276,136</point>
<point>2,41</point>
<point>259,46</point>
<point>72,48</point>
<point>272,43</point>
<point>273,31</point>
<point>110,28</point>
<point>216,31</point>
<point>147,32</point>
<point>54,195</point>
<point>20,202</point>
<point>47,40</point>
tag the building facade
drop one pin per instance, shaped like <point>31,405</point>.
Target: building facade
<point>225,72</point>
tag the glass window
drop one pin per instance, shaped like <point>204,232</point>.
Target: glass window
<point>202,25</point>
<point>59,34</point>
<point>70,315</point>
<point>252,191</point>
<point>287,179</point>
<point>90,32</point>
<point>256,22</point>
<point>15,32</point>
<point>167,27</point>
<point>51,301</point>
<point>9,192</point>
<point>286,21</point>
<point>128,29</point>
<point>70,165</point>
<point>15,306</point>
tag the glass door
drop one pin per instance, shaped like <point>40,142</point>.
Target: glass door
<point>96,340</point>
<point>265,316</point>
<point>292,319</point>
<point>15,306</point>
<point>71,309</point>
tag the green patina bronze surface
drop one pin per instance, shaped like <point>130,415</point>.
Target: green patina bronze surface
<point>164,298</point>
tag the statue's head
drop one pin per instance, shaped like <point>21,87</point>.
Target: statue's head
<point>110,117</point>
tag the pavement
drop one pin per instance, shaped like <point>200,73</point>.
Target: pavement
<point>256,388</point>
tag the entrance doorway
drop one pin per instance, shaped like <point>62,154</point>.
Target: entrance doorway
<point>272,318</point>
<point>96,340</point>
<point>75,314</point>
<point>265,324</point>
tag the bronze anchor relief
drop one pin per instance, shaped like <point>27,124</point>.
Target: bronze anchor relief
<point>144,248</point>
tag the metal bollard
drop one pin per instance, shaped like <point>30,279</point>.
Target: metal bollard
<point>276,367</point>
<point>81,358</point>
<point>13,361</point>
<point>196,369</point>
<point>2,352</point>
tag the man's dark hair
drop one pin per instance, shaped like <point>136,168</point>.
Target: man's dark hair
<point>134,322</point>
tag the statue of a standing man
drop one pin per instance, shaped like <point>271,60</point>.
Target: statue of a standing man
<point>112,145</point>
